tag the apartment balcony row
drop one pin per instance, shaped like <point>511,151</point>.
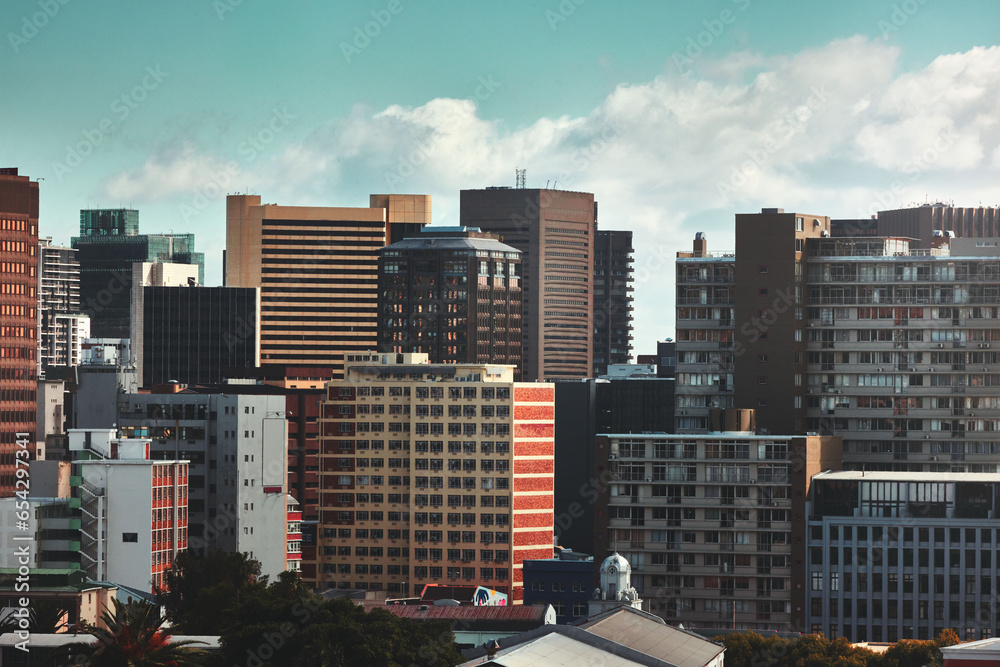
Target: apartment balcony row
<point>682,300</point>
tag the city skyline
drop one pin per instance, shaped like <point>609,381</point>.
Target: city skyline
<point>850,107</point>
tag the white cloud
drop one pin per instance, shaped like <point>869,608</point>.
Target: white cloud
<point>831,130</point>
<point>173,172</point>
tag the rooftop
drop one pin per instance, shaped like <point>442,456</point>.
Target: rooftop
<point>903,476</point>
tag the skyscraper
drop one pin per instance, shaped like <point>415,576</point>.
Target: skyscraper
<point>108,247</point>
<point>554,230</point>
<point>612,299</point>
<point>318,272</point>
<point>454,293</point>
<point>18,321</point>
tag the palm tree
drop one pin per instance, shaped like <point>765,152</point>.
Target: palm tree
<point>134,637</point>
<point>44,616</point>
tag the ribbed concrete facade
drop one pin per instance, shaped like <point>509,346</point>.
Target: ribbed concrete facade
<point>318,272</point>
<point>555,231</point>
<point>612,299</point>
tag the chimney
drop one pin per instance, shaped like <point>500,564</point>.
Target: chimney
<point>700,245</point>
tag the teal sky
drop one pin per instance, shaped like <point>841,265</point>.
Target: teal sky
<point>228,64</point>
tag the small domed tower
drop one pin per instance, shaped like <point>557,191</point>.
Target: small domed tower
<point>616,586</point>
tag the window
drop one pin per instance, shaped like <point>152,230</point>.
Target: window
<point>761,379</point>
<point>762,268</point>
<point>130,537</point>
<point>799,224</point>
<point>761,291</point>
<point>762,358</point>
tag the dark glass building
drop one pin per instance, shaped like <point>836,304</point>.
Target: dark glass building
<point>195,335</point>
<point>106,258</point>
<point>612,299</point>
<point>453,293</point>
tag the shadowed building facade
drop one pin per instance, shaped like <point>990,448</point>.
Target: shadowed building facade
<point>555,231</point>
<point>453,293</point>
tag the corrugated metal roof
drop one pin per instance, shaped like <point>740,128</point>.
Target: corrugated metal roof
<point>512,617</point>
<point>651,636</point>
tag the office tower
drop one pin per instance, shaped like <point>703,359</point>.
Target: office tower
<point>317,269</point>
<point>903,555</point>
<point>109,222</point>
<point>133,510</point>
<point>61,325</point>
<point>236,446</point>
<point>18,320</point>
<point>712,523</point>
<point>453,293</point>
<point>107,248</point>
<point>194,334</point>
<point>433,473</point>
<point>612,299</point>
<point>554,230</point>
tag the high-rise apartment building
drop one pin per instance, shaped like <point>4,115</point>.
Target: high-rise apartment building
<point>61,325</point>
<point>704,349</point>
<point>433,474</point>
<point>710,522</point>
<point>194,334</point>
<point>107,249</point>
<point>453,293</point>
<point>18,320</point>
<point>555,232</point>
<point>897,337</point>
<point>317,269</point>
<point>612,299</point>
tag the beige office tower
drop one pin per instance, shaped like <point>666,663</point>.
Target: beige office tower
<point>317,268</point>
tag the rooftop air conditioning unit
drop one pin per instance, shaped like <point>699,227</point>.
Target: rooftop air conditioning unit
<point>940,345</point>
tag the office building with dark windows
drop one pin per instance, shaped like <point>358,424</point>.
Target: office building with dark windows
<point>453,293</point>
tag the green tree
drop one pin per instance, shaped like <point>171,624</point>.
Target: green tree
<point>285,624</point>
<point>200,589</point>
<point>133,636</point>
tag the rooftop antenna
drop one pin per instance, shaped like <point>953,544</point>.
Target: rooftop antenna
<point>554,184</point>
<point>546,185</point>
<point>519,178</point>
